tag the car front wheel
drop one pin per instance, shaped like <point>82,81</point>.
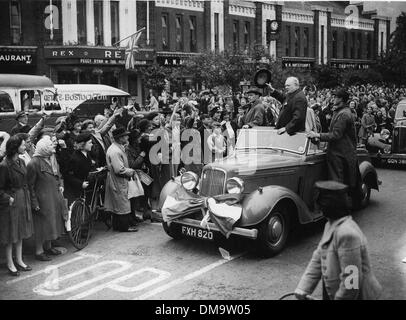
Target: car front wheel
<point>273,232</point>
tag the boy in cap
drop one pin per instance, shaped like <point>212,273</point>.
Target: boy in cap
<point>341,259</point>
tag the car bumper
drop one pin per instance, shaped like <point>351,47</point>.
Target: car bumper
<point>237,231</point>
<point>390,158</point>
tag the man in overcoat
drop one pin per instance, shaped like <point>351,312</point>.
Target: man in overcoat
<point>342,160</point>
<point>116,195</point>
<point>255,114</point>
<point>292,116</point>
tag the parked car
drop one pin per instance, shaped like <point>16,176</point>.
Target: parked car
<point>274,175</point>
<point>389,149</point>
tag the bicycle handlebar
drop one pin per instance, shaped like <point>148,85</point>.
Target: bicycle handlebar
<point>307,297</point>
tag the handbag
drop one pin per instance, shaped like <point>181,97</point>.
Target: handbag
<point>144,177</point>
<point>135,188</point>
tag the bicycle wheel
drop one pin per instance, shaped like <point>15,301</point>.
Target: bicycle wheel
<point>81,224</point>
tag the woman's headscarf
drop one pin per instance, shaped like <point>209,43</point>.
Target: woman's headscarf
<point>46,150</point>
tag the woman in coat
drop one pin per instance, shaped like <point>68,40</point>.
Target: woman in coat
<point>341,260</point>
<point>15,208</point>
<point>47,201</point>
<point>80,164</point>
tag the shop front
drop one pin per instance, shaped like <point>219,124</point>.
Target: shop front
<point>94,65</point>
<point>16,59</point>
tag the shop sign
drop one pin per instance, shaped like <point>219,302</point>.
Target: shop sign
<point>16,58</point>
<point>297,64</point>
<point>171,61</point>
<point>349,65</point>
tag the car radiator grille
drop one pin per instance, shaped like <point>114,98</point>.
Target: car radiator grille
<point>212,182</point>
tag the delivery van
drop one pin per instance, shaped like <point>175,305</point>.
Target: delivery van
<point>88,100</point>
<point>32,94</point>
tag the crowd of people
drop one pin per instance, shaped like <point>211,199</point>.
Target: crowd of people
<point>44,169</point>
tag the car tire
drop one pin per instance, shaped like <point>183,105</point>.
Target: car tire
<point>171,231</point>
<point>273,232</point>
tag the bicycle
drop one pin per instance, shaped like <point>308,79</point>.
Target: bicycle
<point>83,214</point>
<point>290,294</point>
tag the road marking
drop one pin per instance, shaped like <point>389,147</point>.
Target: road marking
<point>54,282</point>
<point>114,284</point>
<point>188,277</point>
<point>81,255</point>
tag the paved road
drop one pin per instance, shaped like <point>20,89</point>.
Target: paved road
<point>150,265</point>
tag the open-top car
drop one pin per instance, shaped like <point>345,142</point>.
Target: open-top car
<point>259,192</point>
<point>390,148</point>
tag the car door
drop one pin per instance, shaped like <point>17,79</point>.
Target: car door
<point>316,170</point>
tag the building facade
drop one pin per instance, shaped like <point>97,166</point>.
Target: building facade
<point>84,41</point>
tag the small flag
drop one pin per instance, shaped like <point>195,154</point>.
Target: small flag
<point>224,215</point>
<point>132,48</point>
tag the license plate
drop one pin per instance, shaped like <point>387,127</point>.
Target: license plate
<point>197,233</point>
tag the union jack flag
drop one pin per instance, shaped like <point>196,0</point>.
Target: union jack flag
<point>131,49</point>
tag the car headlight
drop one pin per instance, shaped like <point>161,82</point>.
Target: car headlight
<point>235,185</point>
<point>189,180</point>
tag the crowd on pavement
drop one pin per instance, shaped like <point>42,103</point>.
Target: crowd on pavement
<point>45,168</point>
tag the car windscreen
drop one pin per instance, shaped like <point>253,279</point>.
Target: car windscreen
<point>270,139</point>
<point>400,111</point>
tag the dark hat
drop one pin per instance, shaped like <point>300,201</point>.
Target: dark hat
<point>120,132</point>
<point>262,77</point>
<point>21,114</point>
<point>332,194</point>
<point>214,110</point>
<point>83,137</point>
<point>151,115</point>
<point>143,125</point>
<point>254,90</point>
<point>343,94</point>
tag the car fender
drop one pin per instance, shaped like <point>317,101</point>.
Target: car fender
<point>258,204</point>
<point>168,188</point>
<point>366,168</point>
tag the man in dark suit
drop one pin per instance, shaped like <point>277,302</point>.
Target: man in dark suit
<point>342,163</point>
<point>292,117</point>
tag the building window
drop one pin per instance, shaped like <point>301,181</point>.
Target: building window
<point>297,41</point>
<point>288,41</point>
<point>115,24</point>
<point>381,43</point>
<point>15,22</point>
<point>306,42</point>
<point>98,22</point>
<point>165,32</point>
<point>334,40</point>
<point>216,32</point>
<point>247,36</point>
<point>193,34</point>
<point>352,44</point>
<point>236,35</point>
<point>369,43</point>
<point>345,45</point>
<point>359,45</point>
<point>322,45</point>
<point>179,33</point>
<point>81,17</point>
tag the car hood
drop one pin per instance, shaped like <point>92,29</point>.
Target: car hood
<point>246,161</point>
